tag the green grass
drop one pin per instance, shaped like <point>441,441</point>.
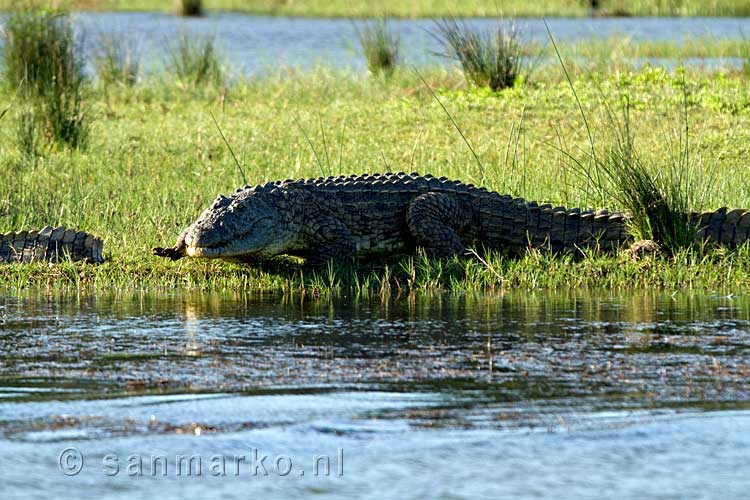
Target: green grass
<point>491,59</point>
<point>194,60</point>
<point>433,8</point>
<point>659,195</point>
<point>41,51</point>
<point>380,46</point>
<point>118,60</point>
<point>43,57</point>
<point>618,46</point>
<point>155,160</point>
<point>27,134</point>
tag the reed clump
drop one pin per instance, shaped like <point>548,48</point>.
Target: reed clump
<point>491,59</point>
<point>43,55</point>
<point>27,135</point>
<point>380,46</point>
<point>659,195</point>
<point>117,60</point>
<point>195,61</point>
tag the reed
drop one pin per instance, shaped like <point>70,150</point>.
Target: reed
<point>195,60</point>
<point>658,195</point>
<point>117,60</point>
<point>42,55</point>
<point>380,46</point>
<point>491,59</point>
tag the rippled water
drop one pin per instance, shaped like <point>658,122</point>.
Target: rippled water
<point>253,44</point>
<point>435,396</point>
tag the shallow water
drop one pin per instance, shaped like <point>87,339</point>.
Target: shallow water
<point>257,44</point>
<point>440,396</point>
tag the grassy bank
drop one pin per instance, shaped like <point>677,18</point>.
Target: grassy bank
<point>154,160</point>
<point>431,8</point>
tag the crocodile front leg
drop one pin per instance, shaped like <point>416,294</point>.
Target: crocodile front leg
<point>177,251</point>
<point>331,240</point>
<point>434,220</point>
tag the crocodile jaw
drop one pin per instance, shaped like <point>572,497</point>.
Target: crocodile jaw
<point>204,252</point>
<point>244,247</point>
<point>237,248</point>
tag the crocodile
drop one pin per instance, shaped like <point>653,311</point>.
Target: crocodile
<point>50,245</point>
<point>370,215</point>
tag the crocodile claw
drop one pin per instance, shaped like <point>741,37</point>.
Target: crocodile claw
<point>171,253</point>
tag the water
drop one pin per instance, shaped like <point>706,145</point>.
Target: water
<point>431,396</point>
<point>258,44</point>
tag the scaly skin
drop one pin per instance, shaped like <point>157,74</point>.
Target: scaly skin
<point>50,245</point>
<point>373,215</point>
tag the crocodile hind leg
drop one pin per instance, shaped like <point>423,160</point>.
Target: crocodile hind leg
<point>434,220</point>
<point>332,241</point>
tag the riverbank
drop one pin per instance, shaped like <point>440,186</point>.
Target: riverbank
<point>155,160</point>
<point>427,8</point>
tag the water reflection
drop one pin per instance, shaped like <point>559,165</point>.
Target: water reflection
<point>425,395</point>
<point>649,348</point>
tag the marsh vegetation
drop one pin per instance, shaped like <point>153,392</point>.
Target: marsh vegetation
<point>155,159</point>
<point>43,57</point>
<point>380,46</point>
<point>425,8</point>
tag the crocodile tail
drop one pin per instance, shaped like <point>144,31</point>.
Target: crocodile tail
<point>50,245</point>
<point>570,230</point>
<point>517,224</point>
<point>722,226</point>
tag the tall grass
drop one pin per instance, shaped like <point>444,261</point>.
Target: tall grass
<point>439,8</point>
<point>733,8</point>
<point>117,60</point>
<point>491,59</point>
<point>41,52</point>
<point>67,122</point>
<point>658,195</point>
<point>27,134</point>
<point>195,60</point>
<point>744,53</point>
<point>380,46</point>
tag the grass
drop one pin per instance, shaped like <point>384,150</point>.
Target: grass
<point>380,46</point>
<point>194,60</point>
<point>659,197</point>
<point>619,46</point>
<point>433,8</point>
<point>744,54</point>
<point>40,51</point>
<point>155,160</point>
<point>27,135</point>
<point>488,59</point>
<point>117,61</point>
<point>43,56</point>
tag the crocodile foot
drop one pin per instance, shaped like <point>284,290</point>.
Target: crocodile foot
<point>642,248</point>
<point>171,253</point>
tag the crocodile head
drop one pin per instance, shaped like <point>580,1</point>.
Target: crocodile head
<point>243,227</point>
